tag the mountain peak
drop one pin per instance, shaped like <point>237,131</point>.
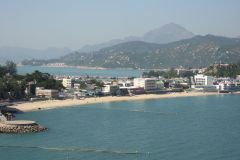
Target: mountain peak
<point>172,25</point>
<point>167,33</point>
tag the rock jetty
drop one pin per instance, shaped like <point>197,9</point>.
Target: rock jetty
<point>20,126</point>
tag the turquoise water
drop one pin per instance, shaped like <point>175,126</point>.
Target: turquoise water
<point>81,72</point>
<point>195,128</point>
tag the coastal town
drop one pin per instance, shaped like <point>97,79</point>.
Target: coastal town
<point>77,87</point>
<point>78,90</point>
<point>119,80</point>
<point>41,86</point>
<point>40,91</point>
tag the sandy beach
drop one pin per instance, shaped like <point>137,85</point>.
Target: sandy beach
<point>51,104</point>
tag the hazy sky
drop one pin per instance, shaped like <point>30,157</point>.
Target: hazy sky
<point>73,23</point>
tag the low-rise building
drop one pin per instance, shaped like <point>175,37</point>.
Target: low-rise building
<point>76,86</point>
<point>47,93</point>
<point>146,83</point>
<point>133,90</point>
<point>160,85</point>
<point>110,89</point>
<point>229,86</point>
<point>125,83</point>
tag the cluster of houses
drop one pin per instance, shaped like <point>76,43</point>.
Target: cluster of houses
<point>125,86</point>
<point>114,87</point>
<point>212,84</point>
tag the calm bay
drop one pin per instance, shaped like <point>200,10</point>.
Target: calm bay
<point>171,129</point>
<point>71,71</point>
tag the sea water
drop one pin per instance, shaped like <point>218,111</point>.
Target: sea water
<point>190,128</point>
<point>69,71</point>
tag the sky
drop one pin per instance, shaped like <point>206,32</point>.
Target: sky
<point>40,24</point>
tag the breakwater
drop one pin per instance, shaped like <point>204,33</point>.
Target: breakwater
<point>20,127</point>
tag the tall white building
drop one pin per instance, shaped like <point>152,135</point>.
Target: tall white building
<point>146,83</point>
<point>67,82</point>
<point>202,80</point>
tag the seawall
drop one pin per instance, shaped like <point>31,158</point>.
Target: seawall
<point>20,127</point>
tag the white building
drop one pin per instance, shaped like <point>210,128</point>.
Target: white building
<point>67,82</point>
<point>159,84</point>
<point>229,86</point>
<point>146,83</point>
<point>110,89</point>
<point>202,80</point>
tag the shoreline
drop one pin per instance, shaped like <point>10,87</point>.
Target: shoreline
<point>86,67</point>
<point>52,104</point>
<point>79,67</point>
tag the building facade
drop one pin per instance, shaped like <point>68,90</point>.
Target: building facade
<point>47,93</point>
<point>67,82</point>
<point>110,89</point>
<point>146,83</point>
<point>229,86</point>
<point>202,80</point>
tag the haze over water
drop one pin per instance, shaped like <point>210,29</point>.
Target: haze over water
<point>67,71</point>
<point>172,129</point>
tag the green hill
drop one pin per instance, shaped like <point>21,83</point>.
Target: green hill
<point>199,51</point>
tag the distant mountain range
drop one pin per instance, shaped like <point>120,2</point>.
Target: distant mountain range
<point>168,33</point>
<point>18,54</point>
<point>165,34</point>
<point>199,51</point>
<point>168,46</point>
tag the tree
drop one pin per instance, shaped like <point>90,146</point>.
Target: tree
<point>3,90</point>
<point>166,74</point>
<point>231,70</point>
<point>3,71</point>
<point>12,85</point>
<point>82,85</point>
<point>99,84</point>
<point>11,68</point>
<point>44,80</point>
<point>16,89</point>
